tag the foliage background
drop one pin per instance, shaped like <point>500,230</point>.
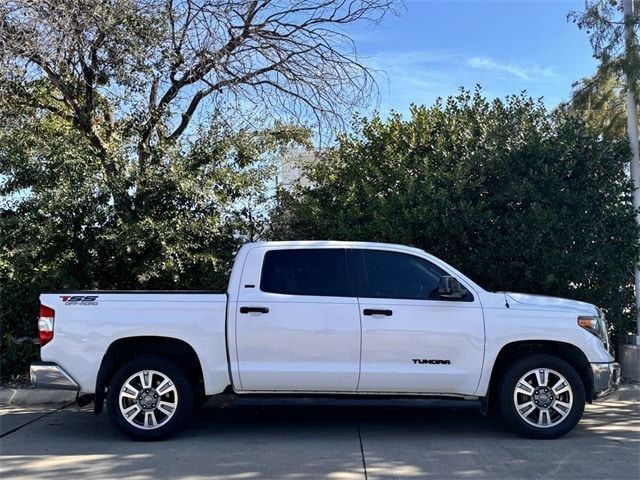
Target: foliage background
<point>194,205</point>
<point>517,197</point>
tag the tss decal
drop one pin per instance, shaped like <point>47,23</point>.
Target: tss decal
<point>79,299</point>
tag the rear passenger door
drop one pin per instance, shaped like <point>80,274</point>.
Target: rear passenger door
<point>297,321</point>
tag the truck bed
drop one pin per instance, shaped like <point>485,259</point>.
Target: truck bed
<point>88,322</point>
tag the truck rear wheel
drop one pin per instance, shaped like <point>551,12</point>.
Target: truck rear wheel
<point>149,398</point>
<point>542,396</point>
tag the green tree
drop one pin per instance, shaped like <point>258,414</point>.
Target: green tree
<point>604,22</point>
<point>601,102</point>
<point>612,26</point>
<point>516,197</point>
<point>133,76</point>
<point>601,99</point>
<point>60,228</point>
<point>126,156</point>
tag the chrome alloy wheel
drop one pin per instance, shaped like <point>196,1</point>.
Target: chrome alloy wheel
<point>148,399</point>
<point>543,397</point>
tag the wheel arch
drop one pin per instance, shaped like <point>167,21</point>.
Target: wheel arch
<point>518,349</point>
<point>124,349</point>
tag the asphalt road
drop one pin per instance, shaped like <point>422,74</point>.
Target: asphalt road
<point>299,442</point>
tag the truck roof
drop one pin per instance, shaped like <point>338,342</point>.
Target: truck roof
<point>334,243</point>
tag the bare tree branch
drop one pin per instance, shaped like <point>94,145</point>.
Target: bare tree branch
<point>142,69</point>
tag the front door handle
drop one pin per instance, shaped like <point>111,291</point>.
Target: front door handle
<point>370,311</point>
<point>254,310</point>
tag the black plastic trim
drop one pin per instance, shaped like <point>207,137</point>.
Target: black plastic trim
<point>372,311</point>
<point>254,310</point>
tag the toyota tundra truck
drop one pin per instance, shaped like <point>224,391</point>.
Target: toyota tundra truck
<point>325,318</point>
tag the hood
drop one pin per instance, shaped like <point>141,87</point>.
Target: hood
<point>552,303</point>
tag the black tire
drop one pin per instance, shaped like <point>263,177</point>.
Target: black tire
<point>183,396</point>
<point>507,403</point>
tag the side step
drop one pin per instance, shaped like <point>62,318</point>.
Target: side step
<point>354,401</point>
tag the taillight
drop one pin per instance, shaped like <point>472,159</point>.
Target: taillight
<point>45,324</point>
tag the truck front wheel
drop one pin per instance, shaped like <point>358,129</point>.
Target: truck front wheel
<point>542,396</point>
<point>149,398</point>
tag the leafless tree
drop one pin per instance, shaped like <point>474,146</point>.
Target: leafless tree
<point>142,69</point>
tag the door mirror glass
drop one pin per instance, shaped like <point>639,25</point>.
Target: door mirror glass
<point>449,287</point>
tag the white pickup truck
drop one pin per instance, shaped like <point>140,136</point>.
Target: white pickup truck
<point>327,318</point>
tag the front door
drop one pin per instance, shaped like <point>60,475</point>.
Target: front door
<point>297,321</point>
<point>413,341</point>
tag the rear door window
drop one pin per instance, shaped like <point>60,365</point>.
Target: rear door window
<point>310,271</point>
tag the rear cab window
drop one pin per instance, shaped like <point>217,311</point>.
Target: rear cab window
<point>320,272</point>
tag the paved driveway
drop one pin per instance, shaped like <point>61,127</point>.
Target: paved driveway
<point>232,441</point>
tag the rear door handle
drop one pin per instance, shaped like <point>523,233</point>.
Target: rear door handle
<point>254,310</point>
<point>370,311</point>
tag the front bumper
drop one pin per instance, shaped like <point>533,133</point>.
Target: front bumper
<point>51,375</point>
<point>606,378</point>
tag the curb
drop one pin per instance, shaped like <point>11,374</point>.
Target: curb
<point>34,396</point>
<point>626,393</point>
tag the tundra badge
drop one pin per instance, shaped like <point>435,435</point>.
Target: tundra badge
<point>430,361</point>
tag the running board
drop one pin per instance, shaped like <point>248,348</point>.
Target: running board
<point>355,401</point>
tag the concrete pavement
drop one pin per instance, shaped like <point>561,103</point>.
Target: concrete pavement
<point>266,441</point>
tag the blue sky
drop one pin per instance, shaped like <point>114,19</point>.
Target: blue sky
<point>434,46</point>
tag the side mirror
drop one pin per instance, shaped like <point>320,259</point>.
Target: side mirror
<point>449,287</point>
